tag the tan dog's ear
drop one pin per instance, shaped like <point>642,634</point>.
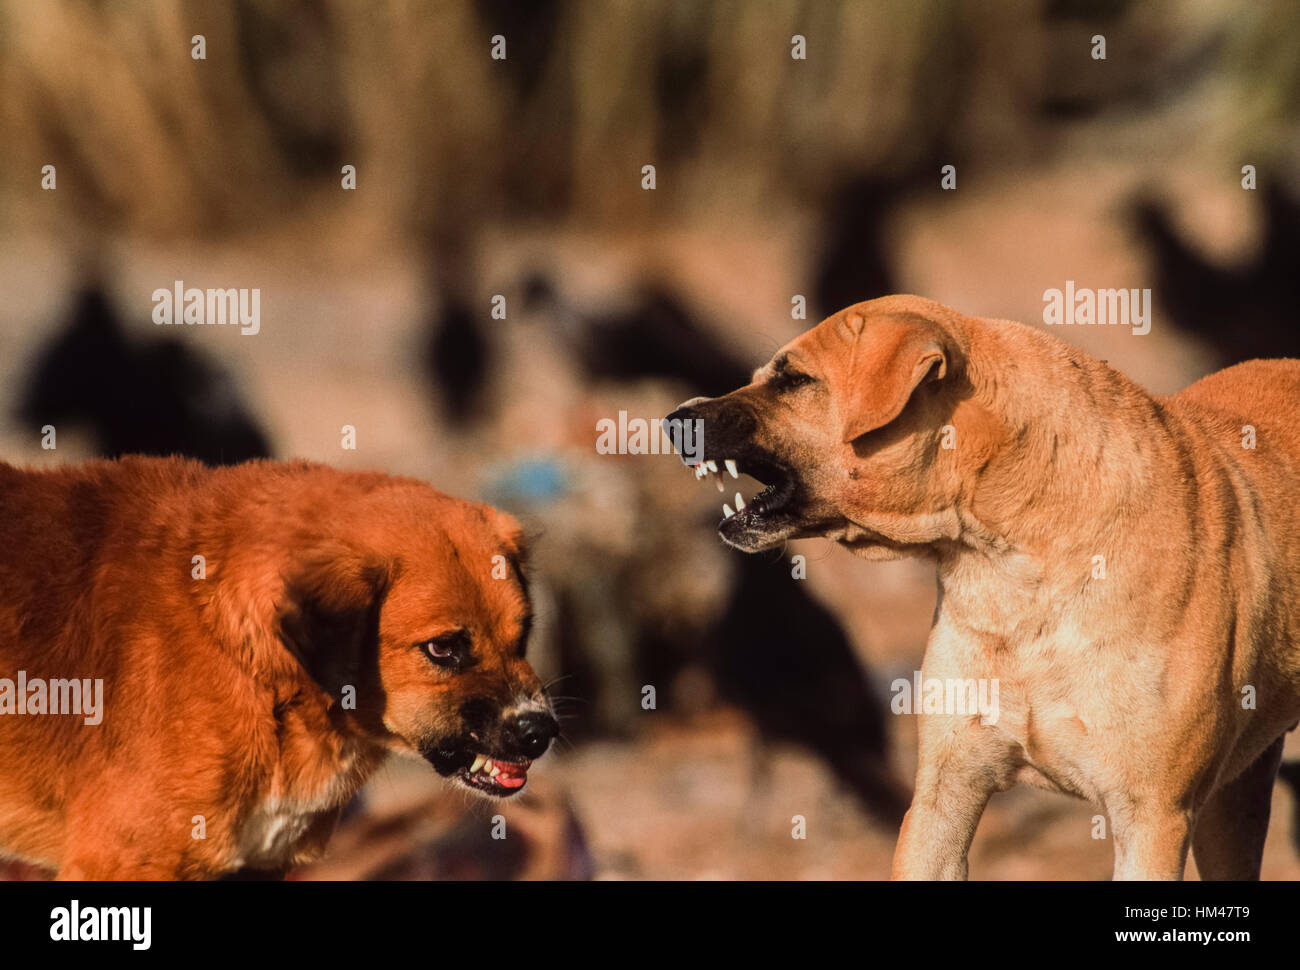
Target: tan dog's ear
<point>886,362</point>
<point>329,616</point>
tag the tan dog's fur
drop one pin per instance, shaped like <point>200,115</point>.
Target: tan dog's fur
<point>1128,679</point>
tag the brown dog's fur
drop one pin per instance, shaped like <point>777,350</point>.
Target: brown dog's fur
<point>227,740</point>
<point>1118,562</point>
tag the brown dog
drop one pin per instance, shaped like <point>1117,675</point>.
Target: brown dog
<point>1123,567</point>
<point>199,666</point>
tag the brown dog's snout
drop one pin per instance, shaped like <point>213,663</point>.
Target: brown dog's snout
<point>529,734</point>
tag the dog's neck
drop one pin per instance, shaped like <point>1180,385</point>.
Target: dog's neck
<point>1049,470</point>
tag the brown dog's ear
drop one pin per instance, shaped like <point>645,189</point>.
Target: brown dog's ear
<point>514,542</point>
<point>329,616</point>
<point>886,362</point>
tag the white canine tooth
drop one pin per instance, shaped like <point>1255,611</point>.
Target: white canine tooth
<point>726,511</point>
<point>731,467</point>
<point>718,482</point>
<point>495,771</point>
<point>713,465</point>
<point>740,503</point>
<point>478,763</point>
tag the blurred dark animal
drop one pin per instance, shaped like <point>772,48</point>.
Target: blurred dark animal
<point>154,396</point>
<point>530,30</point>
<point>457,360</point>
<point>655,335</point>
<point>459,354</point>
<point>854,262</point>
<point>783,658</point>
<point>1289,772</point>
<point>535,177</point>
<point>1243,311</point>
<point>682,72</point>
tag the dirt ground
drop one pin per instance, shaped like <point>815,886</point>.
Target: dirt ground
<point>697,799</point>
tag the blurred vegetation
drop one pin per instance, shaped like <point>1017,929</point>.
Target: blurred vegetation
<point>148,140</point>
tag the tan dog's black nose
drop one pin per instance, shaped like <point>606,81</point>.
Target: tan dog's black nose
<point>686,411</point>
<point>675,424</point>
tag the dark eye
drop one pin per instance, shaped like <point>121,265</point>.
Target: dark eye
<point>790,379</point>
<point>448,650</point>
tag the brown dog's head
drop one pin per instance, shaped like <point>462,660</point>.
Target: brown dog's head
<point>846,427</point>
<point>417,602</point>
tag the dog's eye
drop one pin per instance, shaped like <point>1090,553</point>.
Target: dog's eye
<point>789,379</point>
<point>448,650</point>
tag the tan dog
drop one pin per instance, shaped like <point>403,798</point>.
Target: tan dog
<point>1124,566</point>
<point>200,666</point>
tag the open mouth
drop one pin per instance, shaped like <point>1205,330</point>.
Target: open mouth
<point>777,494</point>
<point>493,776</point>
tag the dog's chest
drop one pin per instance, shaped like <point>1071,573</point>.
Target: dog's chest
<point>1064,695</point>
<point>271,833</point>
<point>286,823</point>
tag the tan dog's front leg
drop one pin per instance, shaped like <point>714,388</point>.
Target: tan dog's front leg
<point>960,765</point>
<point>1151,841</point>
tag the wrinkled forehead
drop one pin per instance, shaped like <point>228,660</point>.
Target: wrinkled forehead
<point>817,348</point>
<point>476,577</point>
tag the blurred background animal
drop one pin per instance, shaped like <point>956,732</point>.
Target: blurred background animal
<point>151,395</point>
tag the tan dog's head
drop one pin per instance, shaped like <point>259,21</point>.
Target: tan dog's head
<point>417,602</point>
<point>845,426</point>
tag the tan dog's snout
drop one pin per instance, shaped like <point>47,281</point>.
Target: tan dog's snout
<point>798,427</point>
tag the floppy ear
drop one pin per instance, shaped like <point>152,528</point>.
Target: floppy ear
<point>329,615</point>
<point>514,541</point>
<point>887,361</point>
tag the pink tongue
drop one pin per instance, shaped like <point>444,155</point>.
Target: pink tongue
<point>511,776</point>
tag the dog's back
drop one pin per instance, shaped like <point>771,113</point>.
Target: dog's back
<point>1265,391</point>
<point>1243,420</point>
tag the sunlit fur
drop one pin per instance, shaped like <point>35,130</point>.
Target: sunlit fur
<point>1122,565</point>
<point>225,695</point>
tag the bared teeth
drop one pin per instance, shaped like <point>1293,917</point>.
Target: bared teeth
<point>740,503</point>
<point>726,511</point>
<point>495,770</point>
<point>731,467</point>
<point>479,761</point>
<point>712,465</point>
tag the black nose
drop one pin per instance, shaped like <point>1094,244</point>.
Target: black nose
<point>530,734</point>
<point>675,426</point>
<point>681,414</point>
